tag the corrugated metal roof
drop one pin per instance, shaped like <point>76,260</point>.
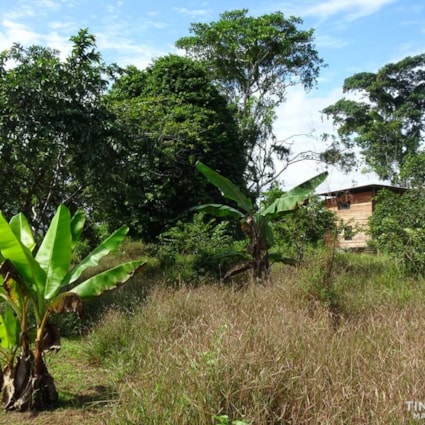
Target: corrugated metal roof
<point>364,188</point>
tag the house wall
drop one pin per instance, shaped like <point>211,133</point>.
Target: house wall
<point>361,208</point>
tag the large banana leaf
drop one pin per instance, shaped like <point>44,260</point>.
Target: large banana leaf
<point>13,293</point>
<point>107,280</point>
<point>21,228</point>
<point>296,196</point>
<point>277,257</point>
<point>266,229</point>
<point>12,249</point>
<point>54,254</point>
<point>77,225</point>
<point>238,268</point>
<point>219,210</point>
<point>9,330</point>
<point>94,257</point>
<point>227,188</point>
<point>66,302</point>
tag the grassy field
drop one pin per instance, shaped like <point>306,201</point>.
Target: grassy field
<point>337,341</point>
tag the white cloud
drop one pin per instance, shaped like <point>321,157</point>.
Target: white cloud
<point>125,51</point>
<point>24,11</point>
<point>353,9</point>
<point>16,32</point>
<point>324,9</point>
<point>191,12</point>
<point>301,124</point>
<point>300,114</point>
<point>31,9</point>
<point>328,41</point>
<point>58,42</point>
<point>47,4</point>
<point>148,24</point>
<point>68,27</point>
<point>406,49</point>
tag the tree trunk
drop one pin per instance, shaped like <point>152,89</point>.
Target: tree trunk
<point>28,385</point>
<point>261,266</point>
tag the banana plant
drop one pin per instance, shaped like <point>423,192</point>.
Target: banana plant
<point>256,223</point>
<point>37,282</point>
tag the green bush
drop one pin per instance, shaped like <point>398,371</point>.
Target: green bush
<point>302,229</point>
<point>398,228</point>
<point>196,250</point>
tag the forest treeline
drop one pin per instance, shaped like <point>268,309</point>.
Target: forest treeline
<point>122,143</point>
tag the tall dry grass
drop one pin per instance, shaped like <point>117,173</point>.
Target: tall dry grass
<point>269,355</point>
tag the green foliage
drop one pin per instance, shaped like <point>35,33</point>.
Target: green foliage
<point>253,60</point>
<point>38,283</point>
<point>388,126</point>
<point>347,283</point>
<point>9,335</point>
<point>55,131</point>
<point>256,224</point>
<point>225,420</point>
<point>171,116</point>
<point>398,229</point>
<point>192,251</point>
<point>413,170</point>
<point>304,228</point>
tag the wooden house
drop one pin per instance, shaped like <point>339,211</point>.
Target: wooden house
<point>353,207</point>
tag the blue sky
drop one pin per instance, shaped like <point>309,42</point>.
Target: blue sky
<point>350,35</point>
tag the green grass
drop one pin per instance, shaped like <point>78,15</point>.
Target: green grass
<point>262,355</point>
<point>84,390</point>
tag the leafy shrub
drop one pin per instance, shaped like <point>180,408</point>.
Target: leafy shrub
<point>303,228</point>
<point>197,249</point>
<point>398,227</point>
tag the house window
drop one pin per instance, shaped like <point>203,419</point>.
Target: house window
<point>348,233</point>
<point>344,205</point>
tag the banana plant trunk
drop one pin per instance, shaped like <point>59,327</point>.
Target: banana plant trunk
<point>258,250</point>
<point>28,384</point>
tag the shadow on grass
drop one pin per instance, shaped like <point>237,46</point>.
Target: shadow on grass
<point>96,397</point>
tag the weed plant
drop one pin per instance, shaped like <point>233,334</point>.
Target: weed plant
<point>199,251</point>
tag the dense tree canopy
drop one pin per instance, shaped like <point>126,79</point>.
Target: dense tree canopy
<point>54,129</point>
<point>254,60</point>
<point>170,116</point>
<point>125,149</point>
<point>388,125</point>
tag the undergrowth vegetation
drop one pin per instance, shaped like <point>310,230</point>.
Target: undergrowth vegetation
<point>198,251</point>
<point>273,354</point>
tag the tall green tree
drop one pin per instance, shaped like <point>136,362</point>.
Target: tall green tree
<point>253,61</point>
<point>170,116</point>
<point>388,124</point>
<point>55,132</point>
